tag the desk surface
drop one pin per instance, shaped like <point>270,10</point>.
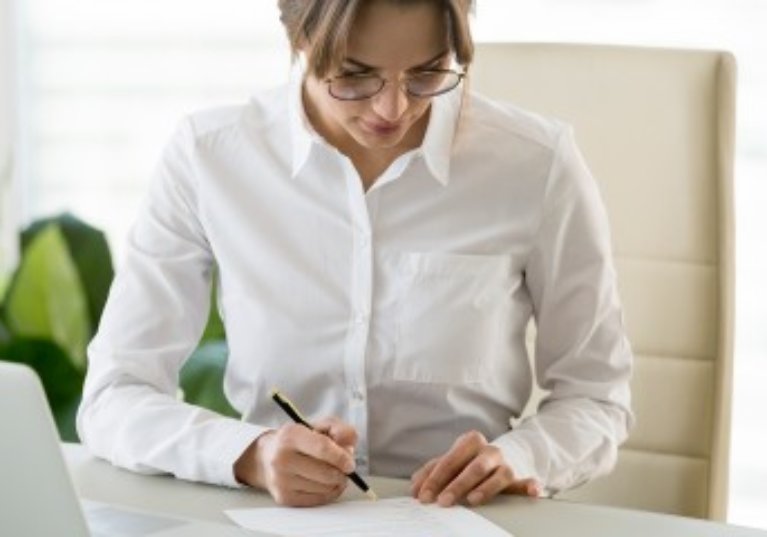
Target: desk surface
<point>523,517</point>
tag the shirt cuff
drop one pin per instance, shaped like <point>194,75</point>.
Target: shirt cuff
<point>235,436</point>
<point>518,456</point>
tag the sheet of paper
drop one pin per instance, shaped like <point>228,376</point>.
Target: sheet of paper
<point>403,517</point>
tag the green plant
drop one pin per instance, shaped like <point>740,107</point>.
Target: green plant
<point>51,310</point>
<point>202,377</point>
<point>4,335</point>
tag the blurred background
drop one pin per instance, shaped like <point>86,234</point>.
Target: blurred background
<point>91,89</point>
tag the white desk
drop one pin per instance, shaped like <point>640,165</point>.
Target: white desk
<point>99,481</point>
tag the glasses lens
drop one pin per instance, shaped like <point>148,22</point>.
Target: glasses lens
<point>353,88</point>
<point>430,83</point>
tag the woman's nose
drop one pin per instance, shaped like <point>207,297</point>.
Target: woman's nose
<point>391,102</point>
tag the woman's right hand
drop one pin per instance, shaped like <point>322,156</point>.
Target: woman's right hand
<point>300,467</point>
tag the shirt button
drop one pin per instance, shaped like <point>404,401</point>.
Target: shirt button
<point>360,319</point>
<point>358,396</point>
<point>364,242</point>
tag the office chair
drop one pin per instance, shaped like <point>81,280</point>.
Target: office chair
<point>657,129</point>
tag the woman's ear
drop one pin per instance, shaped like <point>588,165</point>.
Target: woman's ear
<point>302,44</point>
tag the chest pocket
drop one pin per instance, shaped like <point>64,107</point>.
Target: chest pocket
<point>452,310</point>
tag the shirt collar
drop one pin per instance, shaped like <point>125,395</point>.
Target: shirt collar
<point>437,142</point>
<point>302,135</point>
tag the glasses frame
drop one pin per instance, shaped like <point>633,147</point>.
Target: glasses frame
<point>402,83</point>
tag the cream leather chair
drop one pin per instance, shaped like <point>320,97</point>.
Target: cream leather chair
<point>657,128</point>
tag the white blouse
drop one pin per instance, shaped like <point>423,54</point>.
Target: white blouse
<point>401,310</point>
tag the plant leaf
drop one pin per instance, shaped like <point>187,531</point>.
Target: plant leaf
<point>65,416</point>
<point>4,334</point>
<point>46,299</point>
<point>89,250</point>
<point>202,378</point>
<point>214,329</point>
<point>4,282</point>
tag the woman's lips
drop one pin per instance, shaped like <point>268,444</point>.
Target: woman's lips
<point>379,128</point>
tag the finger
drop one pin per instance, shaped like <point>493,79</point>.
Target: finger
<point>451,464</point>
<point>322,448</point>
<point>339,431</point>
<point>294,473</point>
<point>314,470</point>
<point>297,498</point>
<point>478,470</point>
<point>302,483</point>
<point>488,489</point>
<point>525,487</point>
<point>289,457</point>
<point>420,476</point>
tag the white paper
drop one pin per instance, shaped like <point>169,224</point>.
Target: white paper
<point>403,517</point>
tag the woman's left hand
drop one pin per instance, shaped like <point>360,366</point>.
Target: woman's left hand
<point>472,470</point>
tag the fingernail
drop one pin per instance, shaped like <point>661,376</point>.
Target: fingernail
<point>475,497</point>
<point>534,490</point>
<point>426,496</point>
<point>446,499</point>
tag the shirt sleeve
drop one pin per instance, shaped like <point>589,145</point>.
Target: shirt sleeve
<point>157,309</point>
<point>582,355</point>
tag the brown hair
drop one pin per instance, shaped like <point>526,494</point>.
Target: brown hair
<point>324,26</point>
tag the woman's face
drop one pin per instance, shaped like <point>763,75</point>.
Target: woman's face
<point>390,40</point>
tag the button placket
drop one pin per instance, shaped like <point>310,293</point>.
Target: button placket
<point>360,309</point>
<point>358,396</point>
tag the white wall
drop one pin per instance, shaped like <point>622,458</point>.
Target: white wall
<point>8,205</point>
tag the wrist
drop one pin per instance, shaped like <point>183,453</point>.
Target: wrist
<point>247,467</point>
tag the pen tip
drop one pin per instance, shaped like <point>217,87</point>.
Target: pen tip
<point>372,495</point>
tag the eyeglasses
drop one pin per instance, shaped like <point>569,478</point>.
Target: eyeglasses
<point>421,85</point>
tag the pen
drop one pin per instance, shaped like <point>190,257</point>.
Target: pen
<point>291,410</point>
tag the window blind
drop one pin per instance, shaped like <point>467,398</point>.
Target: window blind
<point>106,81</point>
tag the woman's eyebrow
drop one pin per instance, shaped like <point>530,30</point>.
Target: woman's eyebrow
<point>359,64</point>
<point>427,63</point>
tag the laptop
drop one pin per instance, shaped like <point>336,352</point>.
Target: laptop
<point>37,497</point>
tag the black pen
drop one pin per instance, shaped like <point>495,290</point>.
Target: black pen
<point>291,410</point>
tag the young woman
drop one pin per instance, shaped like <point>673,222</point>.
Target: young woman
<point>383,237</point>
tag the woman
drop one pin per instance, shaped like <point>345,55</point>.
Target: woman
<point>383,238</point>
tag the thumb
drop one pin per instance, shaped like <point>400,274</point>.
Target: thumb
<point>339,431</point>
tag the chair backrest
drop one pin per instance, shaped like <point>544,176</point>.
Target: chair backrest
<point>657,128</point>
